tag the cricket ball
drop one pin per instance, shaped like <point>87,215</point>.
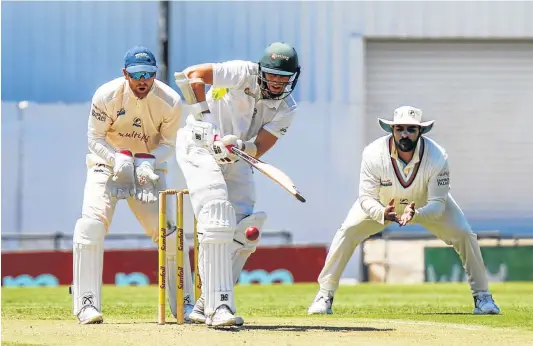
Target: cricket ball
<point>252,233</point>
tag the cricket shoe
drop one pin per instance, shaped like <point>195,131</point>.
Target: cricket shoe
<point>187,310</point>
<point>90,315</point>
<point>222,317</point>
<point>197,314</point>
<point>484,304</point>
<point>322,304</point>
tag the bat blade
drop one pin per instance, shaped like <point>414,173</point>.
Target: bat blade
<point>272,172</point>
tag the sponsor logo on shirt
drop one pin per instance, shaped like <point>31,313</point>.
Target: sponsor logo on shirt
<point>443,178</point>
<point>122,111</point>
<point>135,135</point>
<point>387,182</point>
<point>98,114</point>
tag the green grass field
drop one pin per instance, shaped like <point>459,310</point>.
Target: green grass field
<point>430,314</point>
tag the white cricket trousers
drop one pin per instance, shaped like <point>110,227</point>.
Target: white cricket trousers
<point>452,228</point>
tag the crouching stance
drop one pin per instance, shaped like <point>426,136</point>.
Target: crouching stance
<point>403,170</point>
<point>248,106</point>
<point>132,134</point>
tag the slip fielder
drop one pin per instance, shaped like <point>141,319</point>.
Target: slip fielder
<point>403,166</point>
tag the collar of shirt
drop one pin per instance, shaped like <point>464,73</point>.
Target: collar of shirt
<point>394,154</point>
<point>273,104</point>
<point>256,93</point>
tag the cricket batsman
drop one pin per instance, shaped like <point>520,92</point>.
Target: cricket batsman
<point>249,106</point>
<point>407,172</point>
<point>131,135</point>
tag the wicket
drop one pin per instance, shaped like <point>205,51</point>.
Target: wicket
<point>180,292</point>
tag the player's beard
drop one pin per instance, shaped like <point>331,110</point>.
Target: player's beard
<point>140,90</point>
<point>406,145</point>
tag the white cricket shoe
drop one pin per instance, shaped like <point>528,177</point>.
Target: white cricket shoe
<point>90,315</point>
<point>222,317</point>
<point>484,304</point>
<point>197,314</point>
<point>322,304</point>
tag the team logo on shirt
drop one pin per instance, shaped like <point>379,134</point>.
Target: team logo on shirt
<point>122,111</point>
<point>137,122</point>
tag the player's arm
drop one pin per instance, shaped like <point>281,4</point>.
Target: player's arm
<point>99,124</point>
<point>369,185</point>
<point>269,134</point>
<point>230,74</point>
<point>168,131</point>
<point>438,188</point>
<point>199,76</point>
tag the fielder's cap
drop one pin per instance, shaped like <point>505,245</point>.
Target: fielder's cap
<point>140,59</point>
<point>406,115</point>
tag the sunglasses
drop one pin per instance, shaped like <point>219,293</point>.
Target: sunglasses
<point>139,75</point>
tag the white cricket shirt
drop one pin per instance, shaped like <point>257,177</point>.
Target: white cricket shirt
<point>236,107</point>
<point>425,180</point>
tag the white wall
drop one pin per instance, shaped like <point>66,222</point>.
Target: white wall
<point>322,161</point>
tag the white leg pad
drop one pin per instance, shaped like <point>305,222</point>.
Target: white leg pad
<point>219,280</point>
<point>242,248</point>
<point>88,258</point>
<point>171,274</point>
<point>216,226</point>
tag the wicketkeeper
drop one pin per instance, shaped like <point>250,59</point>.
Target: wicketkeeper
<point>131,135</point>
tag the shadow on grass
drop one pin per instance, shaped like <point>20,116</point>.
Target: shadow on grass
<point>278,328</point>
<point>445,313</point>
<point>290,328</point>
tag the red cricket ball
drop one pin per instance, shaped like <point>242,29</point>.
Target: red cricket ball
<point>252,233</point>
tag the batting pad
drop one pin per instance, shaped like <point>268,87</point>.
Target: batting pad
<point>242,248</point>
<point>88,258</point>
<point>217,277</point>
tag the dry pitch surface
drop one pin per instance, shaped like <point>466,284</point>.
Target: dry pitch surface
<point>437,314</point>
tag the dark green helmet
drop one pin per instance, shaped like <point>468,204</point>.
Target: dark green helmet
<point>278,59</point>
